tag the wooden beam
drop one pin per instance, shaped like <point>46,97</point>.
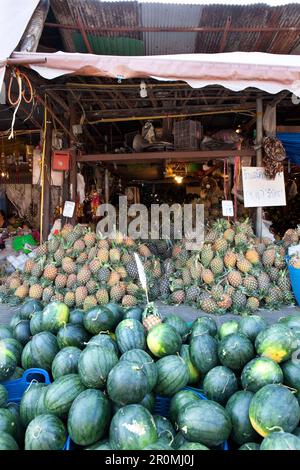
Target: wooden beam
<point>259,138</point>
<point>154,156</point>
<point>47,186</point>
<point>83,33</point>
<point>31,37</point>
<point>53,115</point>
<point>225,34</point>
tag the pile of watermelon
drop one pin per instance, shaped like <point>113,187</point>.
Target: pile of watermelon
<point>117,386</point>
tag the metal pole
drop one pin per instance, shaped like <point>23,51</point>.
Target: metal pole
<point>259,137</point>
<point>47,182</point>
<point>106,186</point>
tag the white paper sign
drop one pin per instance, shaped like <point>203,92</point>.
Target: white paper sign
<point>259,191</point>
<point>69,209</point>
<point>294,250</point>
<point>227,208</point>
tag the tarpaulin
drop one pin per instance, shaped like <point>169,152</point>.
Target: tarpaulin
<point>14,18</point>
<point>234,70</point>
<point>291,143</point>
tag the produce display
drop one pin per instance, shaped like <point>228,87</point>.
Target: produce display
<point>120,384</point>
<point>233,272</point>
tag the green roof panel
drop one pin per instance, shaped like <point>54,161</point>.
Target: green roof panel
<point>109,46</point>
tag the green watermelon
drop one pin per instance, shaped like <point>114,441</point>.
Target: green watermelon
<point>14,346</point>
<point>3,396</point>
<point>72,335</point>
<point>99,319</point>
<point>235,351</point>
<point>219,384</point>
<point>117,311</point>
<point>178,324</point>
<point>179,441</point>
<point>5,332</point>
<point>292,322</point>
<point>205,422</point>
<point>76,317</point>
<point>204,325</point>
<point>65,362</point>
<point>45,432</point>
<point>16,375</point>
<point>135,378</point>
<point>8,423</point>
<point>194,374</point>
<point>158,445</point>
<point>274,408</point>
<point>193,446</point>
<point>291,373</point>
<point>29,402</point>
<point>61,394</point>
<point>251,326</point>
<point>21,332</point>
<point>229,327</point>
<point>148,402</point>
<point>165,430</point>
<point>88,417</point>
<point>94,365</point>
<point>14,408</point>
<point>55,315</point>
<point>100,445</point>
<point>163,340</point>
<point>297,431</point>
<point>36,323</point>
<point>134,312</point>
<point>280,441</point>
<point>14,321</point>
<point>130,334</point>
<point>238,409</point>
<point>44,348</point>
<point>132,428</point>
<point>276,342</point>
<point>259,372</point>
<point>106,341</point>
<point>29,307</point>
<point>250,446</point>
<point>26,358</point>
<point>8,362</point>
<point>173,375</point>
<point>204,352</point>
<point>179,402</point>
<point>7,442</point>
<point>40,407</point>
<point>145,361</point>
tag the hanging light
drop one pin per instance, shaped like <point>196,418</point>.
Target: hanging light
<point>143,90</point>
<point>178,179</point>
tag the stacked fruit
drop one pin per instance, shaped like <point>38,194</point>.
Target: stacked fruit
<point>233,271</point>
<point>110,377</point>
<point>83,270</point>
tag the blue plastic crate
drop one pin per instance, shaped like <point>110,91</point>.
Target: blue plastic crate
<point>295,280</point>
<point>162,406</point>
<point>16,388</point>
<point>69,445</point>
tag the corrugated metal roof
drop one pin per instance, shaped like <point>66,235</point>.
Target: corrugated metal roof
<point>101,14</point>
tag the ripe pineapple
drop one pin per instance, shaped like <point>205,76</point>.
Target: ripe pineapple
<point>68,265</point>
<point>264,282</point>
<point>220,245</point>
<point>14,283</point>
<point>67,229</point>
<point>69,299</point>
<point>260,247</point>
<point>150,317</point>
<point>243,264</point>
<point>252,256</point>
<point>196,270</point>
<point>229,235</point>
<point>103,275</point>
<point>37,269</point>
<point>91,252</point>
<point>252,304</point>
<point>217,265</point>
<point>78,247</point>
<point>89,239</point>
<point>114,255</point>
<point>177,297</point>
<point>240,240</point>
<point>224,302</point>
<point>50,272</point>
<point>273,273</point>
<point>59,255</point>
<point>168,266</point>
<point>48,294</point>
<point>207,255</point>
<point>153,290</point>
<point>250,283</point>
<point>92,286</point>
<point>273,297</point>
<point>61,281</point>
<point>103,244</point>
<point>84,275</point>
<point>268,257</point>
<point>156,269</point>
<point>290,237</point>
<point>132,289</point>
<point>283,281</point>
<point>117,292</point>
<point>53,244</point>
<point>295,262</point>
<point>279,261</point>
<point>57,297</point>
<point>22,291</point>
<point>114,278</point>
<point>89,302</point>
<point>239,301</point>
<point>36,291</point>
<point>230,259</point>
<point>207,276</point>
<point>132,269</point>
<point>217,291</point>
<point>41,250</point>
<point>209,305</point>
<point>128,241</point>
<point>234,278</point>
<point>82,258</point>
<point>95,265</point>
<point>144,251</point>
<point>28,266</point>
<point>72,281</point>
<point>129,301</point>
<point>186,277</point>
<point>192,293</point>
<point>126,257</point>
<point>80,295</point>
<point>102,296</point>
<point>164,287</point>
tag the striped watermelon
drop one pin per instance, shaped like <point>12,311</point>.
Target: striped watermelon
<point>44,348</point>
<point>130,334</point>
<point>61,394</point>
<point>65,362</point>
<point>94,365</point>
<point>127,383</point>
<point>145,361</point>
<point>173,375</point>
<point>45,432</point>
<point>163,340</point>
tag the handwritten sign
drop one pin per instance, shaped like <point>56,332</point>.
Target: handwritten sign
<point>69,209</point>
<point>259,191</point>
<point>227,208</point>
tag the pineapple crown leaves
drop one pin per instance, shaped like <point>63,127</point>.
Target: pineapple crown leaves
<point>150,309</point>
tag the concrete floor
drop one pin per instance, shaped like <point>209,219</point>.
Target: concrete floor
<point>187,313</point>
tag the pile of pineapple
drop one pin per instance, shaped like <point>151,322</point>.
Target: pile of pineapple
<point>234,271</point>
<point>82,270</point>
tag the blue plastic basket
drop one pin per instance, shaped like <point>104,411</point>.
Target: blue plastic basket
<point>295,280</point>
<point>16,388</point>
<point>69,445</point>
<point>162,406</point>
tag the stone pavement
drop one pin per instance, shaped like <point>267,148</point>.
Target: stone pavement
<point>187,313</point>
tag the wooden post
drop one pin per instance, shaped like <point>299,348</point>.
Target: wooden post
<point>47,182</point>
<point>73,162</point>
<point>259,137</point>
<point>106,186</point>
<point>31,37</point>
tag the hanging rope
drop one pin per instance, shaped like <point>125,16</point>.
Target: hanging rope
<point>23,82</point>
<point>43,172</point>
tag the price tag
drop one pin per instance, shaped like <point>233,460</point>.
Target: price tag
<point>227,208</point>
<point>69,209</point>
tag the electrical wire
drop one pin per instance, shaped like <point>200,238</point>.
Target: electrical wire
<point>22,82</point>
